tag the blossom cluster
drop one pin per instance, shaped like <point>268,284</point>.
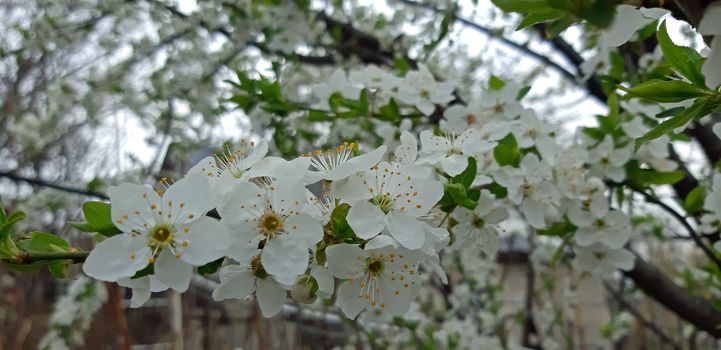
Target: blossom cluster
<point>360,224</point>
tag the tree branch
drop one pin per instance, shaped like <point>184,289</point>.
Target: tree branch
<point>43,183</point>
<point>694,309</point>
<point>493,36</point>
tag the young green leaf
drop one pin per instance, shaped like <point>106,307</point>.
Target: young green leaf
<point>521,5</point>
<point>534,18</point>
<point>699,109</point>
<point>496,83</point>
<point>468,175</point>
<point>98,217</point>
<point>694,201</point>
<point>507,152</point>
<point>666,90</point>
<point>7,226</point>
<point>211,267</point>
<point>685,60</point>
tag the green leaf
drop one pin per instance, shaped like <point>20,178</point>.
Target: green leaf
<point>318,116</point>
<point>468,175</point>
<point>600,13</point>
<point>459,195</point>
<point>613,109</point>
<point>645,177</point>
<point>7,226</point>
<point>496,83</point>
<point>390,112</point>
<point>443,31</point>
<point>211,267</point>
<point>43,242</point>
<point>554,29</point>
<point>665,90</point>
<point>523,92</point>
<point>695,200</point>
<point>99,218</point>
<point>82,226</point>
<point>685,60</point>
<point>670,112</point>
<point>521,5</point>
<point>364,107</point>
<point>540,17</point>
<point>339,223</point>
<point>148,270</point>
<point>699,109</point>
<point>507,152</point>
<point>558,229</point>
<point>497,190</point>
<point>402,66</point>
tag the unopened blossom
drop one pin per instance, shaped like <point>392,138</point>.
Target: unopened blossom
<point>450,150</point>
<point>379,277</point>
<point>274,214</point>
<point>169,230</point>
<point>389,197</point>
<point>242,281</point>
<point>480,225</point>
<point>602,261</point>
<point>341,162</point>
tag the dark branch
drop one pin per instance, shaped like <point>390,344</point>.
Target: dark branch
<point>694,309</point>
<point>493,36</point>
<point>43,183</point>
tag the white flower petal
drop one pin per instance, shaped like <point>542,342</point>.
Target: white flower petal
<point>366,219</point>
<point>356,164</point>
<point>711,69</point>
<point>454,164</point>
<point>325,280</point>
<point>187,199</point>
<point>172,271</point>
<point>349,299</point>
<point>271,297</point>
<point>711,21</point>
<point>305,226</point>
<point>287,195</point>
<point>117,257</point>
<point>285,257</point>
<point>237,285</point>
<point>345,260</point>
<point>132,201</point>
<point>206,240</point>
<point>407,230</point>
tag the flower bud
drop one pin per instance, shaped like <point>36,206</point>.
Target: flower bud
<point>304,291</point>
